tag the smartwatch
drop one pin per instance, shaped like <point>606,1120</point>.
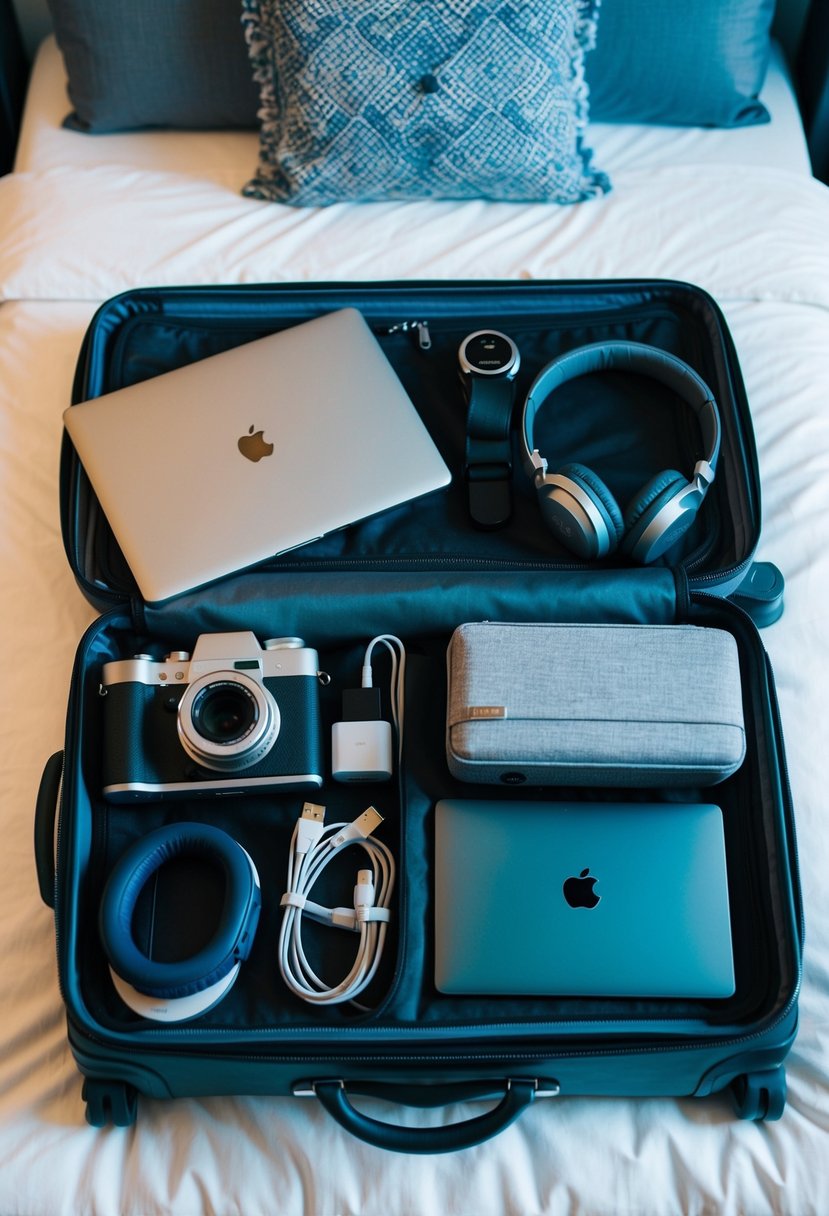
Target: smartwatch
<point>489,363</point>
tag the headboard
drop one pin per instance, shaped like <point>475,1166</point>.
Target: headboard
<point>34,21</point>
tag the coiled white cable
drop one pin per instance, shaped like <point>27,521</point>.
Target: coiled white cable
<point>313,847</point>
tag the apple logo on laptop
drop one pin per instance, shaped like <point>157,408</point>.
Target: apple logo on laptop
<point>253,445</point>
<point>579,891</point>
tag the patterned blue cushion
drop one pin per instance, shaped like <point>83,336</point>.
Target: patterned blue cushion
<point>388,99</point>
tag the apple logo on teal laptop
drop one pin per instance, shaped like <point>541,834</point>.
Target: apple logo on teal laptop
<point>579,891</point>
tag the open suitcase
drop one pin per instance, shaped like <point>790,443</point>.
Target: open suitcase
<point>418,572</point>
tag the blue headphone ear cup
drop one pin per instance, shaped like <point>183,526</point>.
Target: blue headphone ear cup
<point>236,925</point>
<point>600,496</point>
<point>646,505</point>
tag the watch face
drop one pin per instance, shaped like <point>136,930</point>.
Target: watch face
<point>488,353</point>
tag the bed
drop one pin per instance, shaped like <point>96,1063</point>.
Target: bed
<point>83,217</point>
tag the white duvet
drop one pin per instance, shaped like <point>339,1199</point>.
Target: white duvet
<point>69,238</point>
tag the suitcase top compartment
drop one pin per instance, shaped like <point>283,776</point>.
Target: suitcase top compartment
<point>626,433</point>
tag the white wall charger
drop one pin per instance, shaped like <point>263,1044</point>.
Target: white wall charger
<point>361,751</point>
<point>362,747</point>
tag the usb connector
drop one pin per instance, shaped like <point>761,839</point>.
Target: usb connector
<point>309,827</point>
<point>368,822</point>
<point>313,811</point>
<point>360,828</point>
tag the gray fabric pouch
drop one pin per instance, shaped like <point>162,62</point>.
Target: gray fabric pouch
<point>605,705</point>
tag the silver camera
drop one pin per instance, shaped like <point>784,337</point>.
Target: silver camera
<point>232,717</point>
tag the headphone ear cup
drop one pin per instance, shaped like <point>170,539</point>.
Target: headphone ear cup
<point>643,509</point>
<point>176,991</point>
<point>579,508</point>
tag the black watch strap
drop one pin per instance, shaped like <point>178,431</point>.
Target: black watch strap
<point>488,462</point>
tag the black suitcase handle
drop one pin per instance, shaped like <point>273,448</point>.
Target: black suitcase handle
<point>516,1094</point>
<point>46,809</point>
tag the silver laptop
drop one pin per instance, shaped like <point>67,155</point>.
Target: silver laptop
<point>581,899</point>
<point>224,463</point>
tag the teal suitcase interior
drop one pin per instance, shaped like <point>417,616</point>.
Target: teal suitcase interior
<point>418,571</point>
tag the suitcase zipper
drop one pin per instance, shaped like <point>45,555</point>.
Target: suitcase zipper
<point>381,325</point>
<point>424,338</point>
<point>448,562</point>
<point>168,1039</point>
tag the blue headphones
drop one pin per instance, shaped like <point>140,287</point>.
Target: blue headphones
<point>175,992</point>
<point>576,503</point>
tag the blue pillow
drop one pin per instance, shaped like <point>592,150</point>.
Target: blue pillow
<point>696,62</point>
<point>160,63</point>
<point>447,99</point>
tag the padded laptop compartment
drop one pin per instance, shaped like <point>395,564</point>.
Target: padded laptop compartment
<point>626,432</point>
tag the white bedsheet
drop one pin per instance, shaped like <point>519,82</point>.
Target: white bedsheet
<point>71,237</point>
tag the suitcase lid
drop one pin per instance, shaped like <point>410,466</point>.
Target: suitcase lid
<point>625,438</point>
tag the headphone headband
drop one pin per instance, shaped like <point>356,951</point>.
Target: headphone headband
<point>633,357</point>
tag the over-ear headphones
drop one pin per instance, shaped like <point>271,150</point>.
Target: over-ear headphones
<point>177,991</point>
<point>576,503</point>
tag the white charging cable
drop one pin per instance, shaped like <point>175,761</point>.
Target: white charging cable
<point>313,847</point>
<point>397,681</point>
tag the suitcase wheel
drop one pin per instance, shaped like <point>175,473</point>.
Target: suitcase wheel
<point>760,1095</point>
<point>110,1102</point>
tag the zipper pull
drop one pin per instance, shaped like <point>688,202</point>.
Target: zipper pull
<point>424,338</point>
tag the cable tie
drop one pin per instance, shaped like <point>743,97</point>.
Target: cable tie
<point>367,914</point>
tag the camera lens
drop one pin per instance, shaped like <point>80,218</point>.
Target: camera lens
<point>227,721</point>
<point>224,712</point>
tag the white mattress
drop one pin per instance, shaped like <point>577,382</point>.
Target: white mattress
<point>77,228</point>
<point>230,158</point>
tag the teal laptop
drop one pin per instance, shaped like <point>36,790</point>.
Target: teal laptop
<point>581,899</point>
